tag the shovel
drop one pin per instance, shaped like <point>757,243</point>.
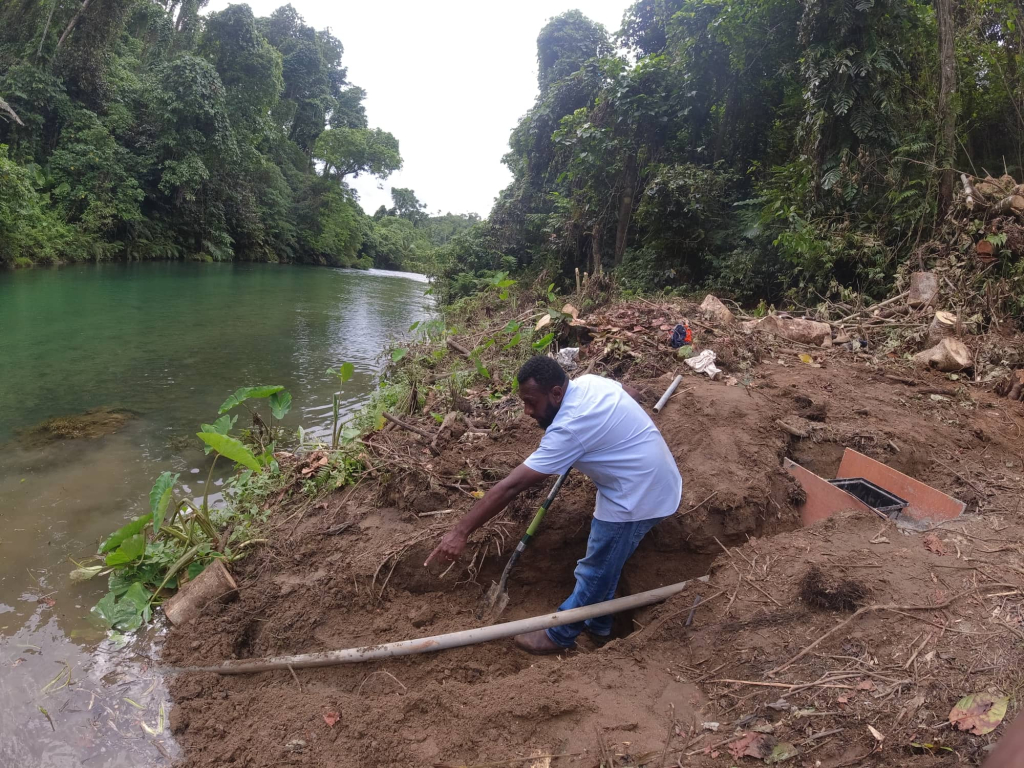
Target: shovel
<point>496,599</point>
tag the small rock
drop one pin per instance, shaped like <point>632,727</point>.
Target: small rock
<point>295,745</point>
<point>195,645</point>
<point>714,309</point>
<point>423,616</point>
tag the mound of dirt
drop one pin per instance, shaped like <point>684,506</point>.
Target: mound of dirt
<point>348,571</point>
<point>934,629</point>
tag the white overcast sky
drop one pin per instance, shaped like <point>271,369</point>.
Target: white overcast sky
<point>449,79</point>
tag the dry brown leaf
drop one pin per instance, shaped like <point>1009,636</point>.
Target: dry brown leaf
<point>752,744</point>
<point>979,713</point>
<point>876,733</point>
<point>933,544</point>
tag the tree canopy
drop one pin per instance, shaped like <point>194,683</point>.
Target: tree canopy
<point>140,129</point>
<point>763,148</point>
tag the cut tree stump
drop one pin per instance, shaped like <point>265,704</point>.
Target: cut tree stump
<point>948,356</point>
<point>1012,387</point>
<point>942,327</point>
<point>214,584</point>
<point>924,289</point>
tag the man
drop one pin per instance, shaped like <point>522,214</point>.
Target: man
<point>595,425</point>
<point>1009,751</point>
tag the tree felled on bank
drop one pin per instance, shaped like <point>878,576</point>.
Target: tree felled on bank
<point>139,129</point>
<point>763,148</point>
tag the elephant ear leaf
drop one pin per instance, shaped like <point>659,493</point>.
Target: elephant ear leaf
<point>160,497</point>
<point>280,404</point>
<point>230,448</point>
<point>114,540</point>
<point>131,549</point>
<point>247,393</point>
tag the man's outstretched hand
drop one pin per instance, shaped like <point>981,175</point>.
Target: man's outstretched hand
<point>451,546</point>
<point>495,500</point>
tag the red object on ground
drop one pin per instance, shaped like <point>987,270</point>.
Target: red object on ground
<point>923,501</point>
<point>823,498</point>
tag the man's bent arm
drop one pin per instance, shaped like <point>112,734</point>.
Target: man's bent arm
<point>494,501</point>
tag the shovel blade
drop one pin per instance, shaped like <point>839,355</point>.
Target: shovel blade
<point>494,602</point>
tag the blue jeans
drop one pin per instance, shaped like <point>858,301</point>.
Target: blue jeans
<point>597,574</point>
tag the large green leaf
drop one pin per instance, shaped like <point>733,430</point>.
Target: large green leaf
<point>160,497</point>
<point>224,424</point>
<point>280,404</point>
<point>138,596</point>
<point>131,548</point>
<point>114,540</point>
<point>126,614</point>
<point>247,393</point>
<point>221,426</point>
<point>543,342</point>
<point>230,448</point>
<point>398,354</point>
<point>344,372</point>
<point>120,581</point>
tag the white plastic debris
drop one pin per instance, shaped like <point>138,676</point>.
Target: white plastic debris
<point>704,363</point>
<point>568,358</point>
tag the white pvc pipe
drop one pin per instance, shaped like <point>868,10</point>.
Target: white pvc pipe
<point>668,394</point>
<point>450,640</point>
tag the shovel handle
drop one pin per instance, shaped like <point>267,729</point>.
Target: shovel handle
<point>535,524</point>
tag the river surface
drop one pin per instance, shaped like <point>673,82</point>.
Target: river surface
<point>169,342</point>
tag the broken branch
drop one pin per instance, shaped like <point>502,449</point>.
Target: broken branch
<point>457,347</point>
<point>871,609</point>
<point>872,308</point>
<point>415,430</point>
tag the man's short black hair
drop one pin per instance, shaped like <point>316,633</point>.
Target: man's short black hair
<point>545,371</point>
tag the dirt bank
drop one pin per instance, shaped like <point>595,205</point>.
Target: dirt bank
<point>347,572</point>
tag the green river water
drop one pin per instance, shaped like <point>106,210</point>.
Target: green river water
<point>169,342</point>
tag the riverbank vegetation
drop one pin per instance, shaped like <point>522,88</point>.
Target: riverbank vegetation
<point>140,129</point>
<point>148,558</point>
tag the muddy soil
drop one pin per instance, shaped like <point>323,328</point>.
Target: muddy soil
<point>348,572</point>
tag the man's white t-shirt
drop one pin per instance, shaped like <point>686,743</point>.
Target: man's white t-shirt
<point>605,434</point>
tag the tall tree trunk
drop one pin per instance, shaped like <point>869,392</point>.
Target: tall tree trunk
<point>71,24</point>
<point>46,27</point>
<point>595,250</point>
<point>625,207</point>
<point>5,107</point>
<point>947,93</point>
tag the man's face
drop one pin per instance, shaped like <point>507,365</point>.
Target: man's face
<point>539,404</point>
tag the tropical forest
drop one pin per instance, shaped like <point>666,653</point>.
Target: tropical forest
<point>290,294</point>
<point>765,148</point>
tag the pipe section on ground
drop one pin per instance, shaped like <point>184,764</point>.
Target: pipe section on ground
<point>668,394</point>
<point>450,640</point>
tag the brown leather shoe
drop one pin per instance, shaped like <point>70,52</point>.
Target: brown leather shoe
<point>539,644</point>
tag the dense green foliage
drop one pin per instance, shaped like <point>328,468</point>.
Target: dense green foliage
<point>405,237</point>
<point>764,148</point>
<point>138,129</point>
